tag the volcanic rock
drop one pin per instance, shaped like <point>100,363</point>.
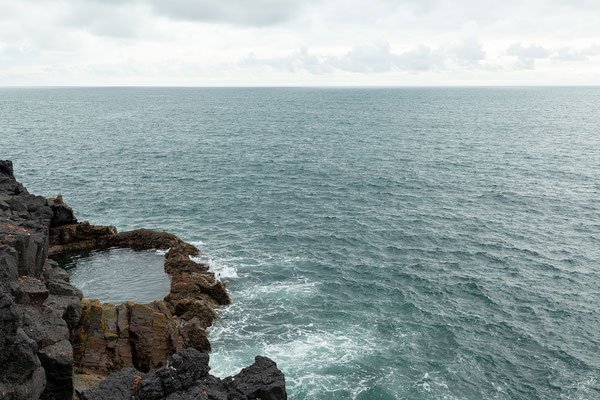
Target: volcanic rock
<point>186,377</point>
<point>47,330</point>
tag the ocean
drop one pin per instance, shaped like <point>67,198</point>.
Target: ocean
<point>402,243</point>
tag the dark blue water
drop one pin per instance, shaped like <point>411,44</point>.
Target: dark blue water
<point>378,243</point>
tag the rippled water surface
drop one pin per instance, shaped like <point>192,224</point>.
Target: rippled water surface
<point>119,275</point>
<point>378,243</point>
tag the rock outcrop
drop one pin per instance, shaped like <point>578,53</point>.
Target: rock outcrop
<point>186,377</point>
<point>101,345</point>
<point>38,307</point>
<point>48,330</point>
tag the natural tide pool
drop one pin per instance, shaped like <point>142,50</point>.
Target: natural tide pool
<point>119,275</point>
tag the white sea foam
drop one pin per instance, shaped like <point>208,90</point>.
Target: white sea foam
<point>280,290</point>
<point>318,347</point>
<point>221,269</point>
<point>162,252</point>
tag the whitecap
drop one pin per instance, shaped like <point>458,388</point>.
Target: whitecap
<point>219,267</point>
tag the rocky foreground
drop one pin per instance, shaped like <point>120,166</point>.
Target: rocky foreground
<point>55,344</point>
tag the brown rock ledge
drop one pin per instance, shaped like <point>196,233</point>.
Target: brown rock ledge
<point>142,336</point>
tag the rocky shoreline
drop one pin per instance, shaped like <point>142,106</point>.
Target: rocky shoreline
<point>54,343</point>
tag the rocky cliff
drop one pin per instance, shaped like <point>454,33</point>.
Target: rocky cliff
<point>48,331</point>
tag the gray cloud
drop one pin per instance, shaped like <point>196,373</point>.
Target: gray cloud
<point>300,60</point>
<point>50,40</point>
<point>10,55</point>
<point>570,54</point>
<point>420,59</point>
<point>374,58</point>
<point>468,52</point>
<point>526,56</point>
<point>365,59</point>
<point>103,18</point>
<point>240,12</point>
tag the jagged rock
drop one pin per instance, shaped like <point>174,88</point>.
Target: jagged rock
<point>182,263</point>
<point>182,371</point>
<point>186,285</point>
<point>9,270</point>
<point>120,385</point>
<point>207,388</point>
<point>194,335</point>
<point>182,249</point>
<point>52,271</point>
<point>80,237</point>
<point>30,291</point>
<point>43,325</point>
<point>186,377</point>
<point>83,382</point>
<point>8,183</point>
<point>57,360</point>
<point>36,301</point>
<point>62,214</point>
<point>29,240</point>
<point>262,380</point>
<point>191,308</point>
<point>145,239</point>
<point>18,208</point>
<point>22,375</point>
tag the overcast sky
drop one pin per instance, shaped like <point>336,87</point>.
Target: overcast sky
<point>299,42</point>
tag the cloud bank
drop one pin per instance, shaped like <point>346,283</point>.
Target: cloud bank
<point>298,42</point>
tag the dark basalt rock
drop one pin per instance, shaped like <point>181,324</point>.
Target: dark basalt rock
<point>33,333</point>
<point>262,380</point>
<point>186,377</point>
<point>47,331</point>
<point>120,385</point>
<point>57,360</point>
<point>62,214</point>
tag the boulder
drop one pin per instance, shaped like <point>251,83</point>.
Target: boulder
<point>57,360</point>
<point>192,308</point>
<point>262,380</point>
<point>118,386</point>
<point>194,336</point>
<point>62,214</point>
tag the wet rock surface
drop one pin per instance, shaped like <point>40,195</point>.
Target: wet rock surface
<point>48,331</point>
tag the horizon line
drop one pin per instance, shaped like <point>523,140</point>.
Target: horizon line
<point>298,86</point>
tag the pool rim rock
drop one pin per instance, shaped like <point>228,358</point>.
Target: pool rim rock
<point>140,335</point>
<point>42,317</point>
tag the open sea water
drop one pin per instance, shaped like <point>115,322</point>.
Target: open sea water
<point>427,243</point>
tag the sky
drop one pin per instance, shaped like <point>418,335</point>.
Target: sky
<point>299,42</point>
